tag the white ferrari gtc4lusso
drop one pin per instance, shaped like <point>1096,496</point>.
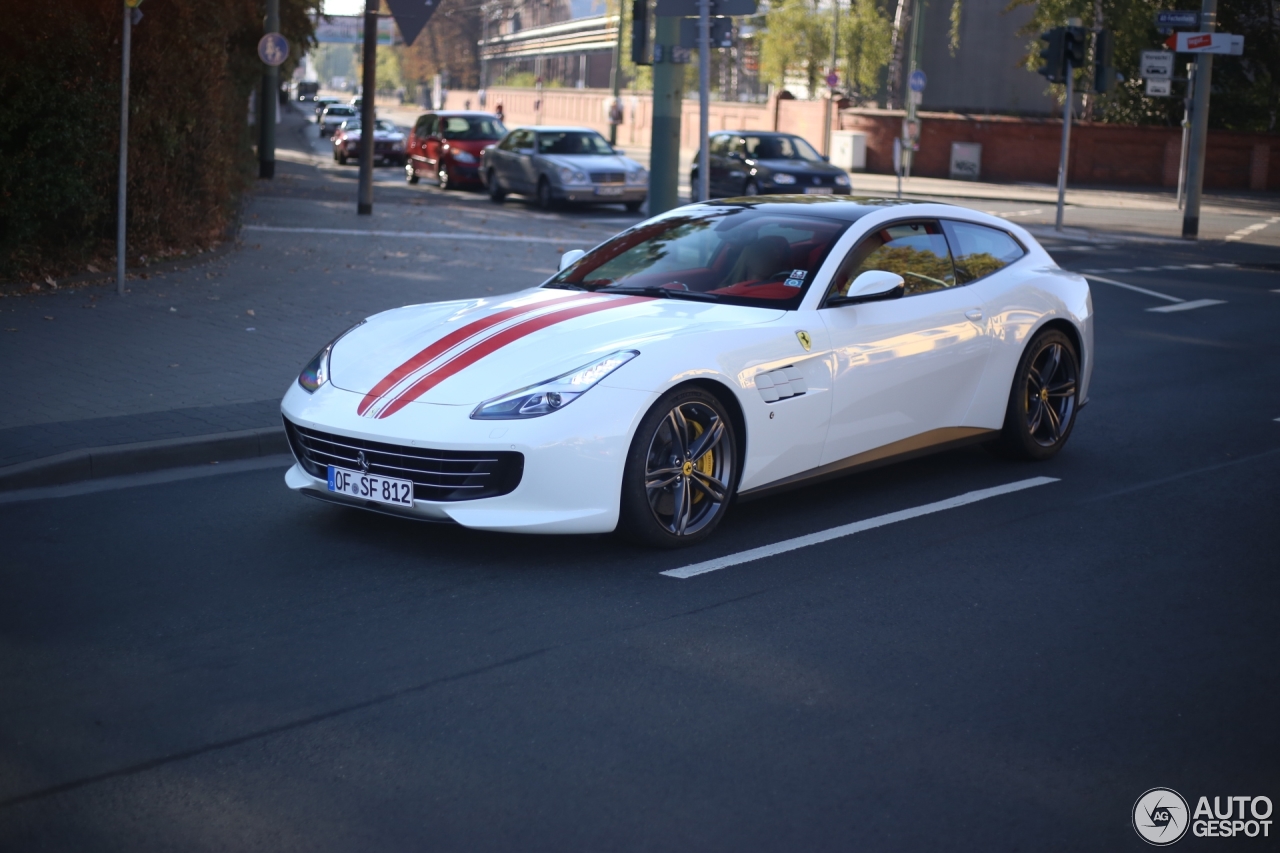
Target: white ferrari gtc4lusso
<point>721,350</point>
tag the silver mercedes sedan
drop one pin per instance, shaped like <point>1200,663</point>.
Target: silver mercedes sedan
<point>563,164</point>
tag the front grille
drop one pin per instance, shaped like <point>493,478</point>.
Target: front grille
<point>608,178</point>
<point>437,475</point>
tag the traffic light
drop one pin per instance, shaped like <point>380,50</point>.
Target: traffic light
<point>1104,69</point>
<point>1054,54</point>
<point>1076,45</point>
<point>640,54</point>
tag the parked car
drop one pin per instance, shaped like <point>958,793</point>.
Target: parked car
<point>388,142</point>
<point>448,145</point>
<point>334,115</point>
<point>558,164</point>
<point>307,90</point>
<point>745,163</point>
<point>322,101</point>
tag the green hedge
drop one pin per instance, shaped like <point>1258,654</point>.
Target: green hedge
<point>194,65</point>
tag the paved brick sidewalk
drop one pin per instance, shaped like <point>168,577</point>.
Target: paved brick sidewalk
<point>212,346</point>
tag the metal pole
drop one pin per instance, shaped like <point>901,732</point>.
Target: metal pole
<point>123,178</point>
<point>835,58</point>
<point>917,18</point>
<point>368,90</point>
<point>1186,134</point>
<point>668,94</point>
<point>704,99</point>
<point>270,102</point>
<point>1066,142</point>
<point>1199,126</point>
<point>615,81</point>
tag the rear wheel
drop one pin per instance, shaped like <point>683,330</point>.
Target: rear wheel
<point>496,192</point>
<point>546,201</point>
<point>410,176</point>
<point>442,178</point>
<point>1043,400</point>
<point>680,472</point>
<point>694,186</point>
<point>752,188</point>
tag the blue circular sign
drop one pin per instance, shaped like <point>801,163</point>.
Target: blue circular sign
<point>917,80</point>
<point>273,49</point>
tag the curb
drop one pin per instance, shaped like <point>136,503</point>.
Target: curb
<point>94,463</point>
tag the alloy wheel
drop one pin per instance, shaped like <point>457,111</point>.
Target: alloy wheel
<point>688,469</point>
<point>1050,399</point>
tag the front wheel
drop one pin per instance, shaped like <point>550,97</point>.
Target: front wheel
<point>496,193</point>
<point>634,206</point>
<point>752,188</point>
<point>1043,400</point>
<point>680,472</point>
<point>693,187</point>
<point>546,200</point>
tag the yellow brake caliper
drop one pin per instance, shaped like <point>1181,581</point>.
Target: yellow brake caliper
<point>706,464</point>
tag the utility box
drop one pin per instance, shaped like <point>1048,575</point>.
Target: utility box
<point>966,161</point>
<point>849,150</point>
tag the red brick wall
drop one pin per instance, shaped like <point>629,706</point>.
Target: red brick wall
<point>1027,150</point>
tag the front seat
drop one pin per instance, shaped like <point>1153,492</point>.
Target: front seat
<point>763,257</point>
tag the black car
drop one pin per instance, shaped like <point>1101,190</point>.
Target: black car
<point>752,162</point>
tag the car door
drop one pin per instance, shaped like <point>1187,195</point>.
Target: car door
<point>717,147</point>
<point>909,366</point>
<point>418,148</point>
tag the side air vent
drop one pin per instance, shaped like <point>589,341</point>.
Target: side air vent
<point>780,384</point>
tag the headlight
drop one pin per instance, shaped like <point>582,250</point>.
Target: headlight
<point>784,179</point>
<point>639,176</point>
<point>553,394</point>
<point>464,156</point>
<point>842,180</point>
<point>316,373</point>
<point>397,146</point>
<point>571,176</point>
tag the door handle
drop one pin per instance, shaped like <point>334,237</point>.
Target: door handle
<point>974,314</point>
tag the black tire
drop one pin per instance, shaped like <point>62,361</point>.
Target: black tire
<point>342,159</point>
<point>410,176</point>
<point>693,187</point>
<point>496,192</point>
<point>1043,400</point>
<point>670,497</point>
<point>442,178</point>
<point>546,200</point>
<point>751,187</point>
<point>634,206</point>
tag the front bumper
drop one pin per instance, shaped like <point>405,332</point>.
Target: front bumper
<point>573,459</point>
<point>593,194</point>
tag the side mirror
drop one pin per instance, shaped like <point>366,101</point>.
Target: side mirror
<point>570,256</point>
<point>872,286</point>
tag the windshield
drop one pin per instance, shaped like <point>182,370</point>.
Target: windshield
<point>340,111</point>
<point>468,127</point>
<point>737,254</point>
<point>572,142</point>
<point>385,125</point>
<point>781,148</point>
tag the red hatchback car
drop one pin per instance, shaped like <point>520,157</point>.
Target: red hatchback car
<point>447,145</point>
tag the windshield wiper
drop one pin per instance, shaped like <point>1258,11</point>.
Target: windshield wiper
<point>564,285</point>
<point>662,292</point>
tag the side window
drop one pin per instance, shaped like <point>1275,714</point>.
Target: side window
<point>719,145</point>
<point>509,142</point>
<point>739,146</point>
<point>420,127</point>
<point>524,138</point>
<point>979,251</point>
<point>431,125</point>
<point>917,251</point>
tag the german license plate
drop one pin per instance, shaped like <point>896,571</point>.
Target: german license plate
<point>608,190</point>
<point>817,190</point>
<point>371,487</point>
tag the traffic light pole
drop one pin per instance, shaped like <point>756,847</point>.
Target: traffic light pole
<point>704,99</point>
<point>668,93</point>
<point>1066,143</point>
<point>123,177</point>
<point>1199,125</point>
<point>368,88</point>
<point>270,102</point>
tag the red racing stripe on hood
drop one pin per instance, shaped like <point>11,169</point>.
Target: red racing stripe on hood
<point>447,343</point>
<point>496,342</point>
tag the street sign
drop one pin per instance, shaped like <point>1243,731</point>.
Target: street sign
<point>1179,18</point>
<point>917,80</point>
<point>1208,43</point>
<point>273,49</point>
<point>689,8</point>
<point>674,53</point>
<point>411,16</point>
<point>833,79</point>
<point>1156,65</point>
<point>721,32</point>
<point>1159,88</point>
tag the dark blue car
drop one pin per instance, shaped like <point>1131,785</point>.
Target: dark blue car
<point>752,162</point>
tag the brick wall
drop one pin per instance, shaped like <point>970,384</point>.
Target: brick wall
<point>1015,150</point>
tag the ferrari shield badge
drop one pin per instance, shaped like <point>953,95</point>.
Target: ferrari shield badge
<point>805,340</point>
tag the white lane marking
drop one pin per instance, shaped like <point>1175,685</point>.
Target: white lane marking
<point>1277,290</point>
<point>419,235</point>
<point>849,529</point>
<point>1032,212</point>
<point>1241,233</point>
<point>1187,306</point>
<point>1134,288</point>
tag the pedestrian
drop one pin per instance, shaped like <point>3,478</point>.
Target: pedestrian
<point>466,105</point>
<point>498,112</point>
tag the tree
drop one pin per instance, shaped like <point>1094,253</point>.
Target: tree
<point>866,46</point>
<point>796,40</point>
